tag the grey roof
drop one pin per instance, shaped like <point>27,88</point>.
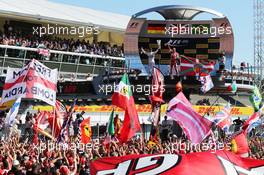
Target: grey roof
<point>57,12</point>
<point>177,12</point>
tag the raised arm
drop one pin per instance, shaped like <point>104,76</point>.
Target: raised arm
<point>143,51</point>
<point>65,157</point>
<point>168,47</point>
<point>74,171</point>
<point>157,50</point>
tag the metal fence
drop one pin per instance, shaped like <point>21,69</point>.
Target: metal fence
<point>67,63</point>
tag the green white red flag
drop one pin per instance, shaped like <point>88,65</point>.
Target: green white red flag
<point>123,98</point>
<point>123,94</point>
<point>110,125</point>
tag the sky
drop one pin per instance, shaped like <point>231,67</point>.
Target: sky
<point>239,12</point>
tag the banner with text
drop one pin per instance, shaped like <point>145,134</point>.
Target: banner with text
<point>35,81</point>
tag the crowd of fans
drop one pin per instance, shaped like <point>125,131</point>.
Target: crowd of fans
<point>18,155</point>
<point>20,158</point>
<point>12,37</point>
<point>67,45</point>
<point>238,75</point>
<point>256,145</point>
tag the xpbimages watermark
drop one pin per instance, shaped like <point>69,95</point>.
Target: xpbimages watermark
<point>187,29</point>
<point>146,89</point>
<point>80,31</point>
<point>81,147</point>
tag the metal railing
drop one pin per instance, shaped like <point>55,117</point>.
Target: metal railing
<point>67,63</point>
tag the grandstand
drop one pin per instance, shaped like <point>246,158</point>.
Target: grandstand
<point>80,42</point>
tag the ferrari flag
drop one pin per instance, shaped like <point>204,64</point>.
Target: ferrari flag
<point>86,131</point>
<point>123,98</point>
<point>204,163</point>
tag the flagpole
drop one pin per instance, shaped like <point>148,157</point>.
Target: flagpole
<point>98,130</point>
<point>98,127</point>
<point>53,122</point>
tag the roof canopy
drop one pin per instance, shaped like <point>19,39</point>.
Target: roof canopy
<point>177,12</point>
<point>61,13</point>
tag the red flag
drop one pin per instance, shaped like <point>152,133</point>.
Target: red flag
<point>157,93</point>
<point>225,124</point>
<point>131,124</point>
<point>239,145</point>
<point>192,66</point>
<point>59,118</point>
<point>251,120</point>
<point>42,120</point>
<point>86,131</point>
<point>203,163</point>
<point>41,124</point>
<point>157,86</point>
<point>123,98</point>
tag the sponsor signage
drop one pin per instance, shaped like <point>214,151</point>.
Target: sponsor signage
<point>146,108</point>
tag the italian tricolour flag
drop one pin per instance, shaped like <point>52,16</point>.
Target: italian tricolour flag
<point>110,130</point>
<point>123,98</point>
<point>123,94</point>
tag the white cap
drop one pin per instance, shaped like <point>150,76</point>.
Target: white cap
<point>15,162</point>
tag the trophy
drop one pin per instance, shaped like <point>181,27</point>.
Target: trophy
<point>159,43</point>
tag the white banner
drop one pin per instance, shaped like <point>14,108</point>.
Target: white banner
<point>18,90</point>
<point>44,72</point>
<point>33,81</point>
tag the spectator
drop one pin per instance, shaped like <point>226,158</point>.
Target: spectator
<point>238,123</point>
<point>29,125</point>
<point>166,129</point>
<point>73,77</point>
<point>6,28</point>
<point>222,61</point>
<point>117,123</point>
<point>89,77</point>
<point>68,45</point>
<point>242,66</point>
